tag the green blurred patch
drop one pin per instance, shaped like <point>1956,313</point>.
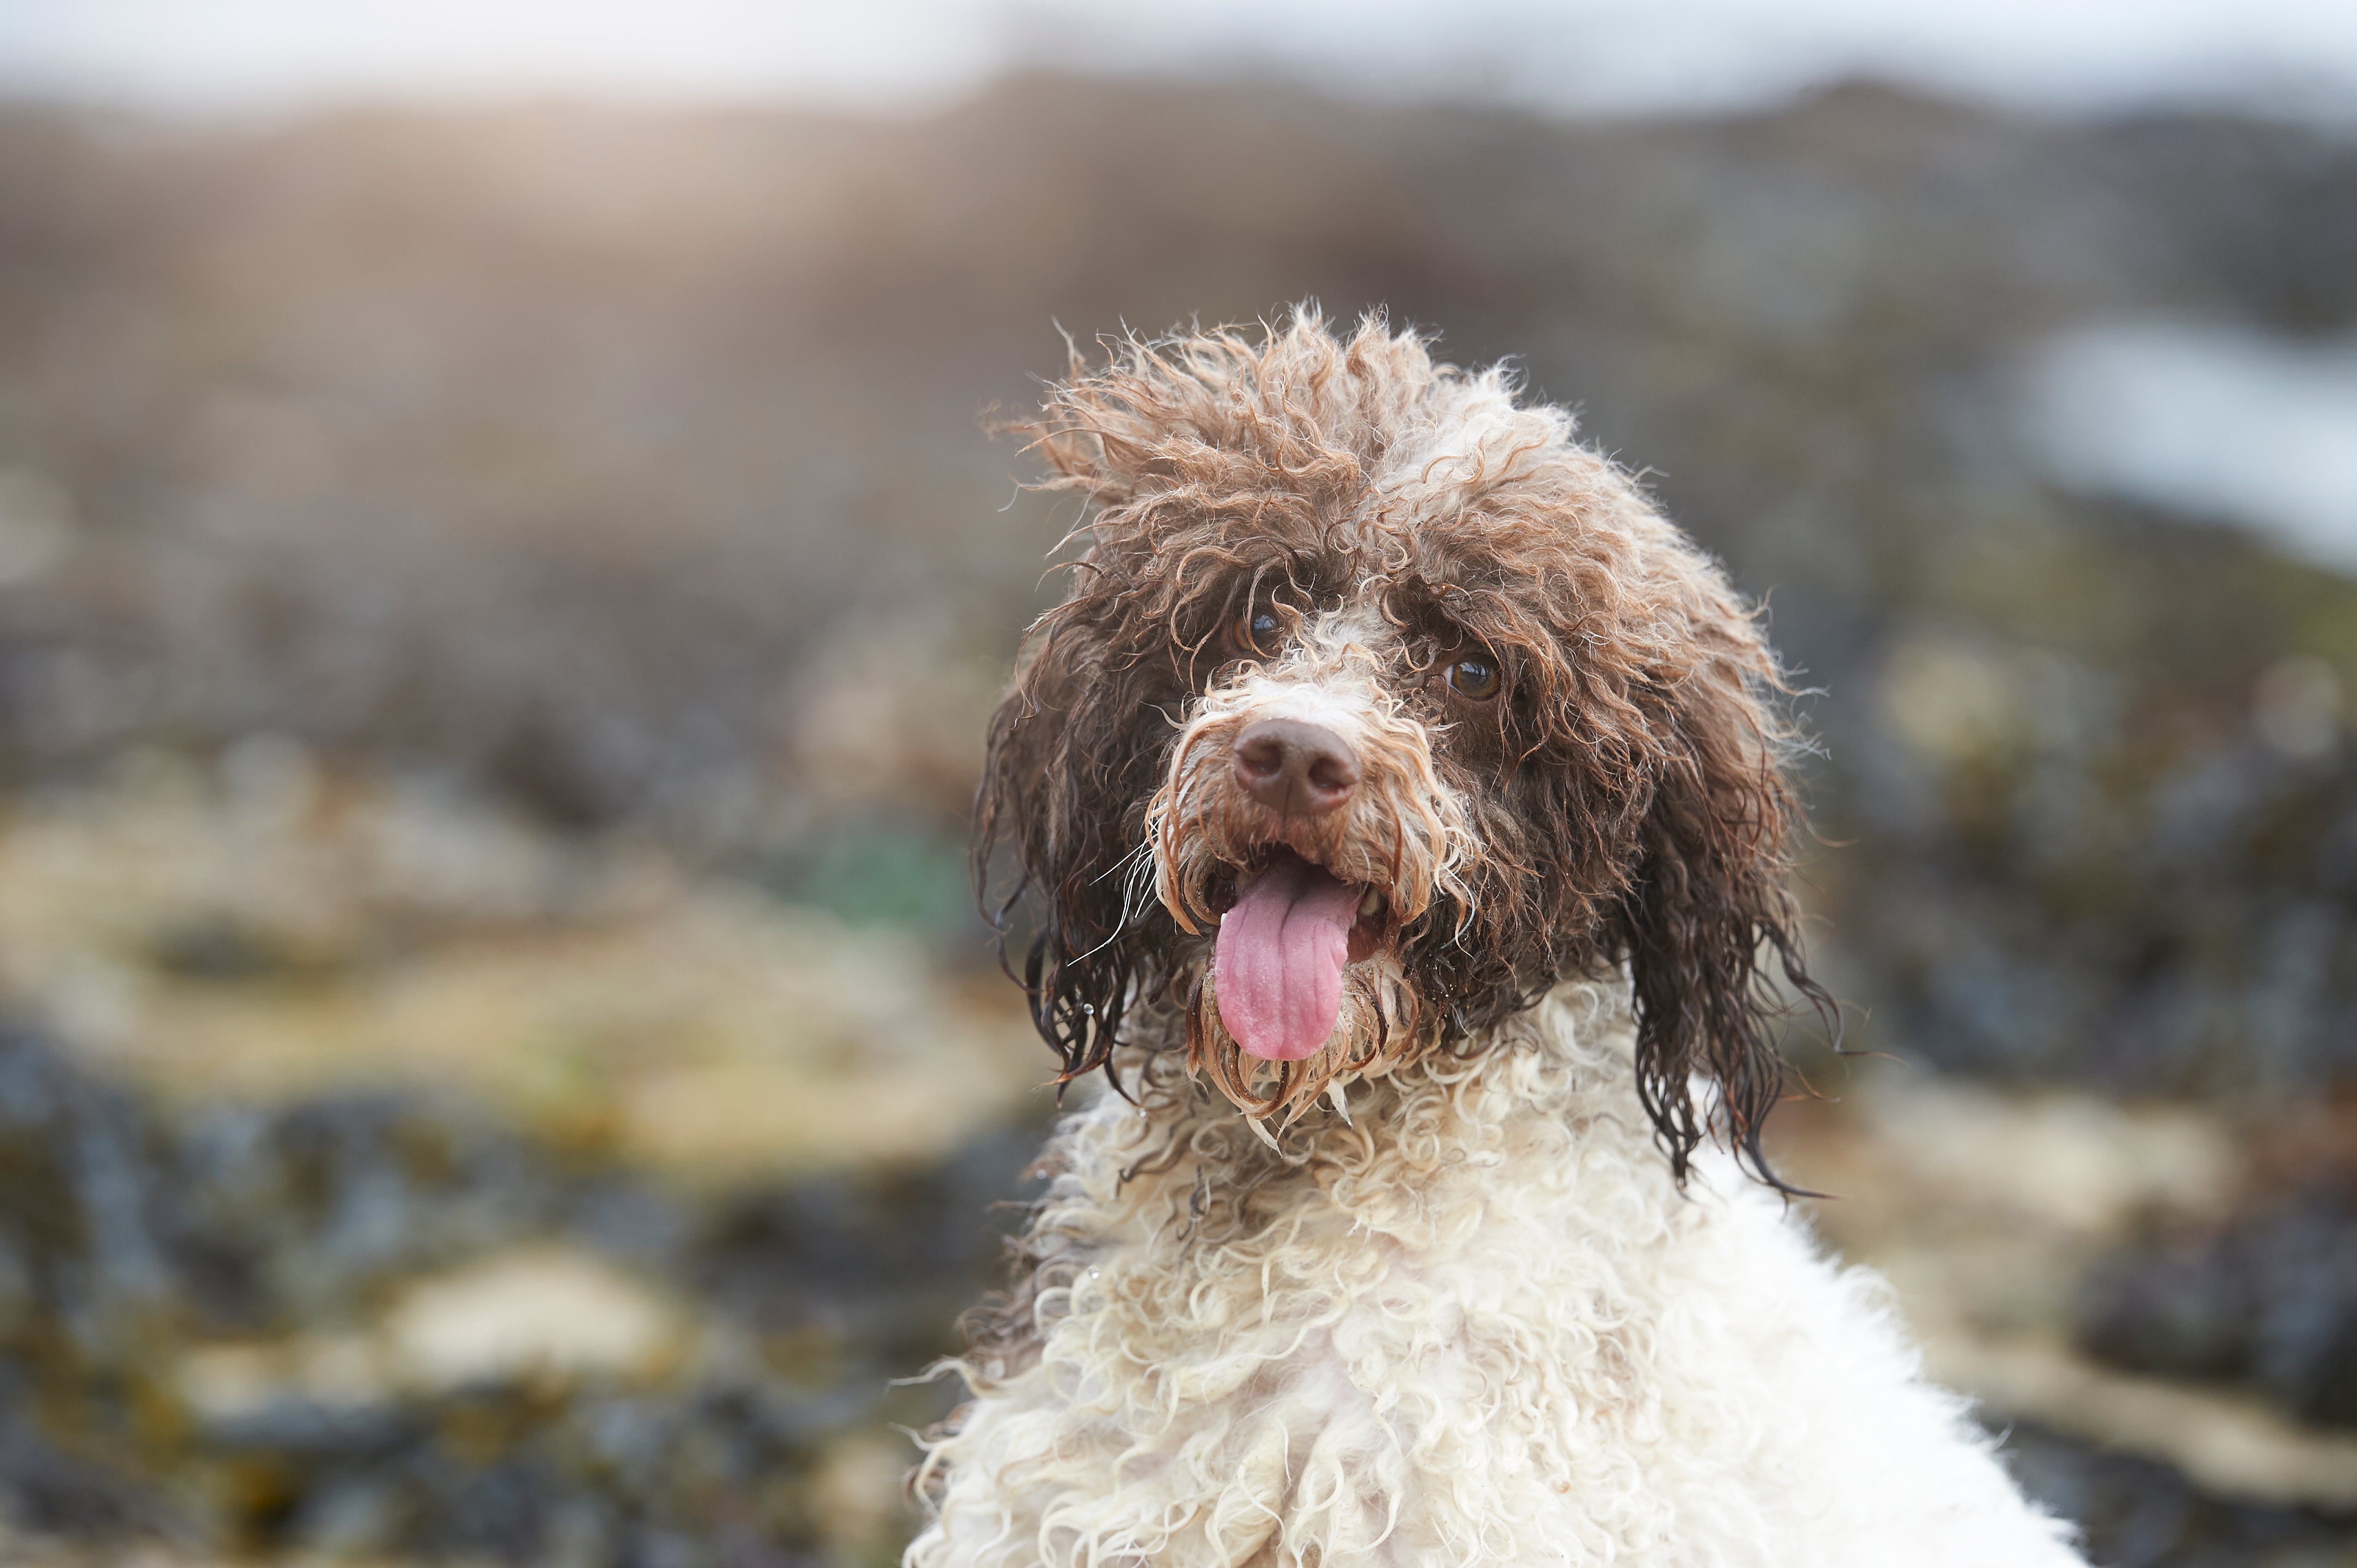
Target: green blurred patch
<point>889,872</point>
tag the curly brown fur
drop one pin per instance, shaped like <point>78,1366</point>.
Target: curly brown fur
<point>1622,799</point>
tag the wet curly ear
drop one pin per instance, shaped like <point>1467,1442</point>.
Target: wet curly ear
<point>1707,908</point>
<point>1058,815</point>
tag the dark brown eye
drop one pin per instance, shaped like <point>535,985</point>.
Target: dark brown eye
<point>1259,630</point>
<point>1474,678</point>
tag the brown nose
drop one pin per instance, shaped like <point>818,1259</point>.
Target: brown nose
<point>1295,769</point>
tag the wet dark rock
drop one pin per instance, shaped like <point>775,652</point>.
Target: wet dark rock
<point>2140,1514</point>
<point>308,1212</point>
<point>220,949</point>
<point>2270,1301</point>
<point>835,1252</point>
<point>129,1238</point>
<point>302,1430</point>
<point>46,1491</point>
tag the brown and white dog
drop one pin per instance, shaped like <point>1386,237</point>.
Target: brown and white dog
<point>1401,802</point>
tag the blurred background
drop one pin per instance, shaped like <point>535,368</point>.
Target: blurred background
<point>501,577</point>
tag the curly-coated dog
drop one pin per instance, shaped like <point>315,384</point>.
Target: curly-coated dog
<point>1400,804</point>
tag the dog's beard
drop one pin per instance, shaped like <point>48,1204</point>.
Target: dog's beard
<point>1379,1028</point>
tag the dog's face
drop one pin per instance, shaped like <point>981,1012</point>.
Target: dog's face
<point>1377,708</point>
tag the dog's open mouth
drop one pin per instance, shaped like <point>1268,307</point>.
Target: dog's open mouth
<point>1281,950</point>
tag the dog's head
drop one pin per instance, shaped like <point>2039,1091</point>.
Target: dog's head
<point>1378,706</point>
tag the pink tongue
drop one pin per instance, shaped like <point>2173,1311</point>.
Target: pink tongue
<point>1278,961</point>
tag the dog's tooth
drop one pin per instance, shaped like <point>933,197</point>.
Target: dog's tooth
<point>1373,904</point>
<point>1341,1106</point>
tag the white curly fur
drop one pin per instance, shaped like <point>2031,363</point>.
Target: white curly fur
<point>1475,1323</point>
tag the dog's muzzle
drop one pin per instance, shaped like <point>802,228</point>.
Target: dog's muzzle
<point>1302,827</point>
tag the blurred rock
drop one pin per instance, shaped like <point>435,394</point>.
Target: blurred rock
<point>375,1329</point>
<point>2074,1163</point>
<point>539,1312</point>
<point>2219,1441</point>
<point>1998,1218</point>
<point>2269,1299</point>
<point>2140,1514</point>
<point>194,938</point>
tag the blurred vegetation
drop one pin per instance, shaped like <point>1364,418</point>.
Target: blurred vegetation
<point>497,610</point>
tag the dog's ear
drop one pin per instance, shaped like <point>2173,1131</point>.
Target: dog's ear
<point>1065,774</point>
<point>1708,905</point>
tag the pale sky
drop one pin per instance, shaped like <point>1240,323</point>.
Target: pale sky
<point>2211,419</point>
<point>1582,55</point>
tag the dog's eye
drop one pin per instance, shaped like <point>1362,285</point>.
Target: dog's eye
<point>1258,629</point>
<point>1474,678</point>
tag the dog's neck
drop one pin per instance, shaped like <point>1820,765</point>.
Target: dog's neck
<point>1540,1098</point>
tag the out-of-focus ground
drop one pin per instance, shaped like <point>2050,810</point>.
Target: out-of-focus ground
<point>497,610</point>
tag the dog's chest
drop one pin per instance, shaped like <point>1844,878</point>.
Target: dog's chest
<point>1412,1344</point>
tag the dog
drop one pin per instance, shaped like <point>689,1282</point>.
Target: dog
<point>1399,804</point>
